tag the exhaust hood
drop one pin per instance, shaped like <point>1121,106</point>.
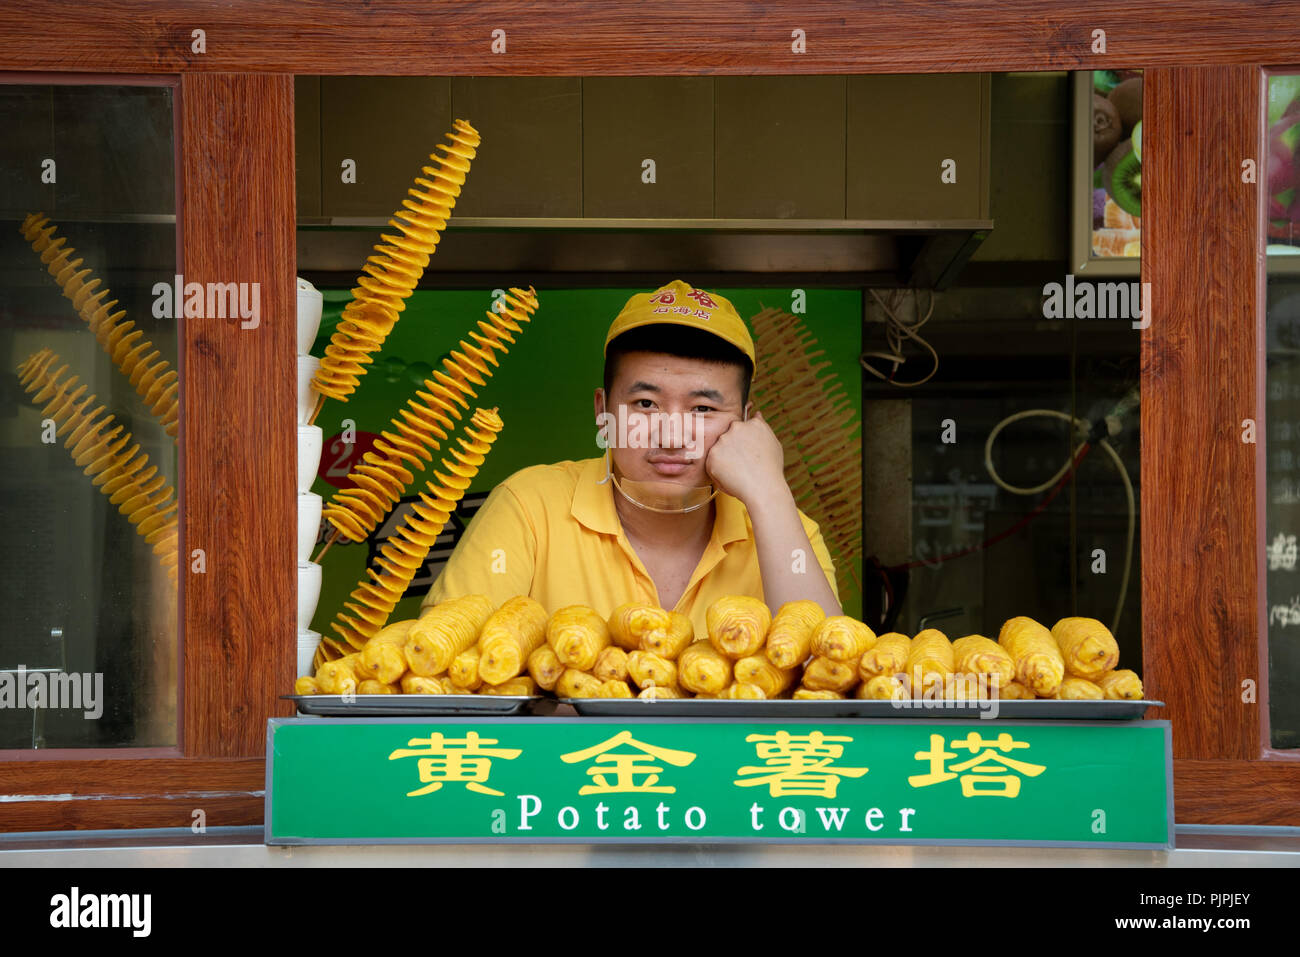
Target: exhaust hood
<point>850,181</point>
<point>473,252</point>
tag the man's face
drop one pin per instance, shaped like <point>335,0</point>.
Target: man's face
<point>674,410</point>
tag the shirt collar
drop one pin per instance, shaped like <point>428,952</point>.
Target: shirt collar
<point>593,506</point>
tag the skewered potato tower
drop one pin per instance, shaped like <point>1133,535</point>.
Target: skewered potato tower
<point>464,646</point>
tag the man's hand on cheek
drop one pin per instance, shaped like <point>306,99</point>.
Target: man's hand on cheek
<point>747,460</point>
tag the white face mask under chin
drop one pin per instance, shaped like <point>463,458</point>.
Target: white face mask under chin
<point>666,498</point>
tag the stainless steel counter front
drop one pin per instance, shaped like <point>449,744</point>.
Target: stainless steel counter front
<point>1197,846</point>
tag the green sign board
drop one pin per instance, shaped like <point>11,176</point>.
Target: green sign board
<point>538,780</point>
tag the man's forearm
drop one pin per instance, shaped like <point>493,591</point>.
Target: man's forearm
<point>779,537</point>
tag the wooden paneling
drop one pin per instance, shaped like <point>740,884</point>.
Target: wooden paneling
<point>229,793</point>
<point>107,793</point>
<point>1199,564</point>
<point>160,810</point>
<point>122,777</point>
<point>237,217</point>
<point>629,38</point>
<point>238,413</point>
<point>1236,792</point>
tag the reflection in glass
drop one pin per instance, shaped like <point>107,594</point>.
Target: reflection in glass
<point>1116,163</point>
<point>88,505</point>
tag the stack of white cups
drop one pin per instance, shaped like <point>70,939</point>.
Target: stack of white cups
<point>309,451</point>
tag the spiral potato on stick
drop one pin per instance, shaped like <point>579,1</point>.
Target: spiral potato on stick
<point>381,478</point>
<point>395,267</point>
<point>152,377</point>
<point>108,454</point>
<point>403,555</point>
<point>794,387</point>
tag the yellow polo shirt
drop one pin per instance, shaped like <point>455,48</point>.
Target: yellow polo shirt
<point>551,532</point>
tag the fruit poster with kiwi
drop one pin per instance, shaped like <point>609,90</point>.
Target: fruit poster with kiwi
<point>543,391</point>
<point>1117,164</point>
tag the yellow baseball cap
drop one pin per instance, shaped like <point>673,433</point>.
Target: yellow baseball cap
<point>680,305</point>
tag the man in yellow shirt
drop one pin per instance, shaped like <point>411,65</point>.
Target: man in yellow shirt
<point>689,502</point>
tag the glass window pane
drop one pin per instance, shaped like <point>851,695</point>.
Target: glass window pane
<point>88,488</point>
<point>1032,349</point>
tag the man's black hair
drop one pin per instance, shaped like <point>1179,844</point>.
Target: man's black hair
<point>684,342</point>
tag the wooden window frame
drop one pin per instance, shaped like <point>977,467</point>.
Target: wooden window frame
<point>1202,565</point>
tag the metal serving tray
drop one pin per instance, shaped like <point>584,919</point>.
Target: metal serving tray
<point>856,708</point>
<point>417,705</point>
